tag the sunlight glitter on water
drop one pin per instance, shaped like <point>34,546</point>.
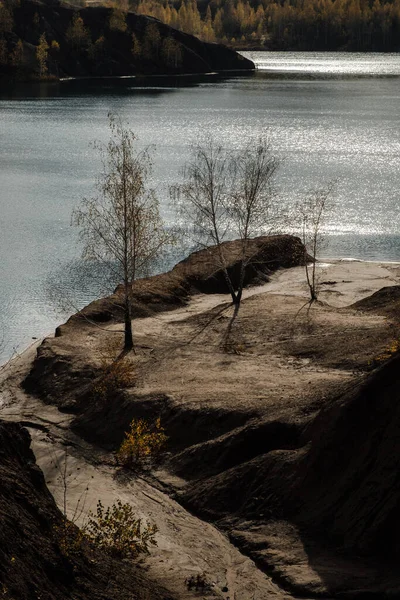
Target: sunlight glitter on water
<point>328,117</point>
<point>327,63</point>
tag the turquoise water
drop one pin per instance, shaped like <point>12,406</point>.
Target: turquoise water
<point>328,117</point>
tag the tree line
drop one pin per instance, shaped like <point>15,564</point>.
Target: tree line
<point>358,25</point>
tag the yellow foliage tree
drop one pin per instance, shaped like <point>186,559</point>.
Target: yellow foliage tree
<point>152,42</point>
<point>6,18</point>
<point>118,20</point>
<point>136,46</point>
<point>3,52</point>
<point>77,35</point>
<point>171,52</point>
<point>142,441</point>
<point>17,55</point>
<point>42,52</point>
<point>117,531</point>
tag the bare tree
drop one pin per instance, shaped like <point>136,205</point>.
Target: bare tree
<point>252,203</point>
<point>228,195</point>
<point>313,213</point>
<point>202,198</point>
<point>121,226</point>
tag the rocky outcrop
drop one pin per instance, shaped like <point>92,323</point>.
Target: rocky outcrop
<point>200,272</point>
<point>106,42</point>
<point>32,565</point>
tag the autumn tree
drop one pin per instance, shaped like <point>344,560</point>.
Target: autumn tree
<point>77,35</point>
<point>117,21</point>
<point>3,52</point>
<point>96,51</point>
<point>152,42</point>
<point>6,18</point>
<point>42,52</point>
<point>171,52</point>
<point>17,55</point>
<point>136,46</point>
<point>121,226</point>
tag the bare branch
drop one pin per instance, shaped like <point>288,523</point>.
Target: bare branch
<point>226,195</point>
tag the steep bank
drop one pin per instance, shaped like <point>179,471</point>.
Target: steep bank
<point>40,38</point>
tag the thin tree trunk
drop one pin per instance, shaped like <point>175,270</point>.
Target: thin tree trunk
<point>128,340</point>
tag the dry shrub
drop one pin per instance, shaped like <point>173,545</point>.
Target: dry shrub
<point>116,376</point>
<point>389,351</point>
<point>143,441</point>
<point>198,582</point>
<point>111,348</point>
<point>118,532</point>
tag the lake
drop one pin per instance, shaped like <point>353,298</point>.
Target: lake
<point>328,117</point>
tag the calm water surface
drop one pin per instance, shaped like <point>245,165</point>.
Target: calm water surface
<point>329,116</point>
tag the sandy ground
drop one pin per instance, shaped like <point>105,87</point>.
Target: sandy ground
<point>271,360</point>
<point>275,353</point>
<point>79,478</point>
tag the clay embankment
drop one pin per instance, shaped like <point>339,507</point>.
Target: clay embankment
<point>277,428</point>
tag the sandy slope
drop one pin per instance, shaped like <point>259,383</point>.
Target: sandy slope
<point>275,361</point>
<point>186,545</point>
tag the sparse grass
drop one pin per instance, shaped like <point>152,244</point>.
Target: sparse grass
<point>110,349</point>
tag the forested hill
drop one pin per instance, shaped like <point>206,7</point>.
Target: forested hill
<point>44,39</point>
<point>358,25</point>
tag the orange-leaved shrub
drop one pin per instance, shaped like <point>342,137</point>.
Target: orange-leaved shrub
<point>143,441</point>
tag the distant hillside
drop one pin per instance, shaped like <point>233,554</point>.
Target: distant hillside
<point>49,39</point>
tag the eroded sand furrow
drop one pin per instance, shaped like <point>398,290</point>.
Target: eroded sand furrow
<point>186,545</point>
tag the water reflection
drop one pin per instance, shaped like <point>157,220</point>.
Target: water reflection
<point>78,87</point>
